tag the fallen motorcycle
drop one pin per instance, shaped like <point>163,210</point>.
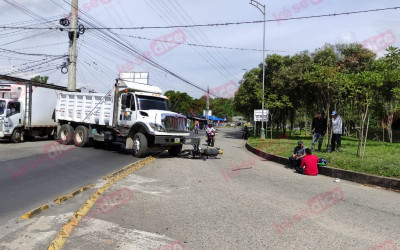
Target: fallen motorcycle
<point>198,152</point>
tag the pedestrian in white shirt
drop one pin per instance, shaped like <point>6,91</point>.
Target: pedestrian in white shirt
<point>336,131</point>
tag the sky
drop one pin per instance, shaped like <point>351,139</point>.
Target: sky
<point>99,61</point>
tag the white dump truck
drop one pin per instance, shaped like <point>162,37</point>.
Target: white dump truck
<point>133,113</point>
<point>27,108</point>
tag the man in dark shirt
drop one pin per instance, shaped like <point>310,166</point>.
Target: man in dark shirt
<point>318,129</point>
<point>298,154</point>
<point>309,164</point>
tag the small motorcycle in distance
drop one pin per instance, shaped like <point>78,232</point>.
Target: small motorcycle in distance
<point>246,133</point>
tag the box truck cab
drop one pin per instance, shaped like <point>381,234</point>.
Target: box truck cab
<point>27,109</point>
<point>10,119</point>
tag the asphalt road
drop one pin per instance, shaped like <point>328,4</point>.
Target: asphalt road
<point>237,201</point>
<point>34,173</point>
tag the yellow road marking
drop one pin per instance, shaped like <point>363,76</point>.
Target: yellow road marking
<point>61,199</point>
<point>68,227</point>
<point>34,212</point>
<point>123,169</point>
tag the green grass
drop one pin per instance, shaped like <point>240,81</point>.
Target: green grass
<point>381,158</point>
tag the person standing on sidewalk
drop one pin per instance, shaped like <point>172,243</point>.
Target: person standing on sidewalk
<point>318,129</point>
<point>336,131</point>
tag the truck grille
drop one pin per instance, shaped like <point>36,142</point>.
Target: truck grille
<point>175,123</point>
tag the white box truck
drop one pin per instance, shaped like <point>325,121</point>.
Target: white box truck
<point>133,113</point>
<point>27,108</point>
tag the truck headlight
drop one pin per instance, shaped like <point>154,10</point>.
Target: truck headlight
<point>157,127</point>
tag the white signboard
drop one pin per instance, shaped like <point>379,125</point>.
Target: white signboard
<point>209,112</point>
<point>258,117</point>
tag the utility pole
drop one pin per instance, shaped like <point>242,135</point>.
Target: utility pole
<point>72,46</point>
<point>261,7</point>
<point>208,102</point>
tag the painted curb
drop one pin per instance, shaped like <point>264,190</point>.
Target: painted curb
<point>34,212</point>
<point>63,198</point>
<point>66,230</point>
<point>391,183</point>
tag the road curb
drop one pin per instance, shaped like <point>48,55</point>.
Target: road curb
<point>68,227</point>
<point>63,198</point>
<point>34,212</point>
<point>391,183</point>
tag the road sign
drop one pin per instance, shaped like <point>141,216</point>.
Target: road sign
<point>258,117</point>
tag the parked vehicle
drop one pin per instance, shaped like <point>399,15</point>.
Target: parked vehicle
<point>27,109</point>
<point>134,113</point>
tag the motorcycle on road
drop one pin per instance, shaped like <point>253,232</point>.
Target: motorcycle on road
<point>211,138</point>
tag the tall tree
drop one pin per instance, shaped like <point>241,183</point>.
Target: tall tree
<point>249,94</point>
<point>179,102</point>
<point>41,79</point>
<point>390,90</point>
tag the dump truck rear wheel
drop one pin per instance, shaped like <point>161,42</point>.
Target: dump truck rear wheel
<point>81,137</point>
<point>66,134</point>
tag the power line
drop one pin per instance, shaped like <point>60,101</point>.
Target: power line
<point>125,46</point>
<point>212,24</point>
<point>31,54</point>
<point>45,45</point>
<point>169,18</point>
<point>203,45</point>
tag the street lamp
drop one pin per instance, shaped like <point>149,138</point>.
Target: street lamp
<point>261,7</point>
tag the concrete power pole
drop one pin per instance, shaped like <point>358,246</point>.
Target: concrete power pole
<point>72,46</point>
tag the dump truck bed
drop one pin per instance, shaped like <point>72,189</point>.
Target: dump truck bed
<point>90,108</point>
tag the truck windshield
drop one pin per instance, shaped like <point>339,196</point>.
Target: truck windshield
<point>2,107</point>
<point>148,103</point>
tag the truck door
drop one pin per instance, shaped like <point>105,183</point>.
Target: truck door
<point>14,115</point>
<point>128,110</point>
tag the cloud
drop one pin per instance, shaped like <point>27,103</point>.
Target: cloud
<point>37,6</point>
